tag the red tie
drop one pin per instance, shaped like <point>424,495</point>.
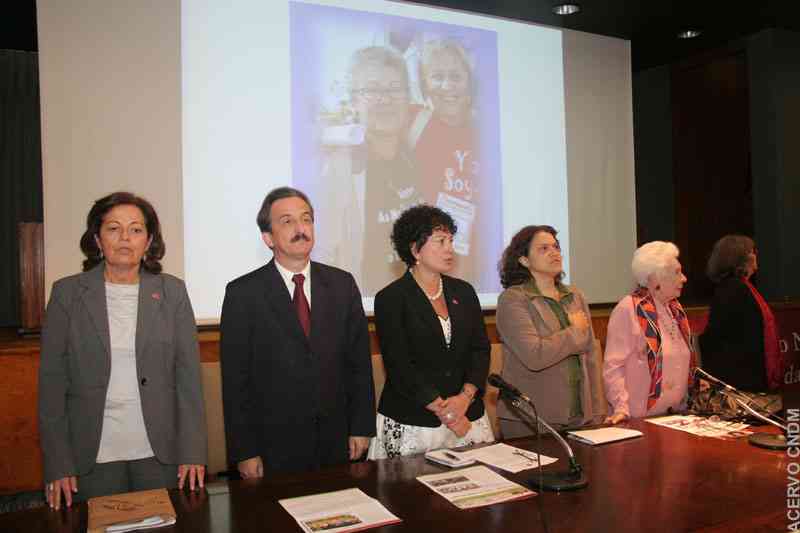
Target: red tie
<point>301,303</point>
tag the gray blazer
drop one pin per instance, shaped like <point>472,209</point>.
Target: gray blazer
<point>76,366</point>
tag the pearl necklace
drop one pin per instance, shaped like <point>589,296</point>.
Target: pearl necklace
<point>435,296</point>
<point>668,321</point>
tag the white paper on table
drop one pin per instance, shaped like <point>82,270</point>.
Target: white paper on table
<point>698,425</point>
<point>351,509</point>
<point>508,458</point>
<point>449,458</point>
<point>475,486</point>
<point>146,523</point>
<point>603,435</point>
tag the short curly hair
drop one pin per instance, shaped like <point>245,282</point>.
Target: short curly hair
<point>652,258</point>
<point>384,56</point>
<point>512,272</point>
<point>729,257</point>
<point>415,225</point>
<point>151,261</point>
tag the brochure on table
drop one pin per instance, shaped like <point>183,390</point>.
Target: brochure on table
<point>342,510</point>
<point>704,427</point>
<point>476,486</point>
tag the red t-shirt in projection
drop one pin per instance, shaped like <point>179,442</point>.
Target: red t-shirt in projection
<point>448,165</point>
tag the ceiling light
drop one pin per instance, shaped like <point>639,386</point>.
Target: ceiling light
<point>566,9</point>
<point>688,34</point>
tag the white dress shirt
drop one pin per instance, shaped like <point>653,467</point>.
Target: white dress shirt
<point>287,275</point>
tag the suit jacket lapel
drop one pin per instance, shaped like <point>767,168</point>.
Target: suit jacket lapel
<point>281,303</point>
<point>150,301</point>
<point>420,302</point>
<point>94,298</point>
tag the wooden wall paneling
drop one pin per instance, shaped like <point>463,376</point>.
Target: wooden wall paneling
<point>20,452</point>
<point>20,467</point>
<point>31,270</point>
<point>711,160</point>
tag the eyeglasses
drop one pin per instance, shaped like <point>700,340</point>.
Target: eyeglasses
<point>373,94</point>
<point>437,79</point>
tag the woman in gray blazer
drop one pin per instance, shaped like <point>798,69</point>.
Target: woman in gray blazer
<point>120,396</point>
<point>548,342</point>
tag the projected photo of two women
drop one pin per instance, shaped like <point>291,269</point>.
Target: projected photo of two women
<point>388,112</point>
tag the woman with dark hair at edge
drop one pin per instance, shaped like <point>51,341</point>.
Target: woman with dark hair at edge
<point>740,342</point>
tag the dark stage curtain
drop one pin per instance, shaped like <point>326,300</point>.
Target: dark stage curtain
<point>20,168</point>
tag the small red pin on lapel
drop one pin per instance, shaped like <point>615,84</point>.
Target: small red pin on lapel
<point>156,296</point>
<point>455,301</point>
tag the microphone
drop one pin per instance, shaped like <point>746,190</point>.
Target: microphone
<point>702,374</point>
<point>507,388</point>
<point>763,440</point>
<point>572,479</point>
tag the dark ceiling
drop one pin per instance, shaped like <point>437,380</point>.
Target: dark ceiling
<point>650,25</point>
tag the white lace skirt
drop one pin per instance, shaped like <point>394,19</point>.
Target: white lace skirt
<point>394,439</point>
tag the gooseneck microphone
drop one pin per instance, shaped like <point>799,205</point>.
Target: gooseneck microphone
<point>700,373</point>
<point>507,388</point>
<point>572,479</point>
<point>763,440</point>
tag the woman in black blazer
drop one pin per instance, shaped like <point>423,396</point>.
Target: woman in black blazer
<point>740,343</point>
<point>434,345</point>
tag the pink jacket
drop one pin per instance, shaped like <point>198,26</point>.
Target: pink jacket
<point>626,374</point>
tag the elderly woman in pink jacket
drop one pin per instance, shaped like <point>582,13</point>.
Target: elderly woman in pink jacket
<point>649,358</point>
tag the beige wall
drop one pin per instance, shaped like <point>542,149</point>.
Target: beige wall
<point>111,117</point>
<point>602,188</point>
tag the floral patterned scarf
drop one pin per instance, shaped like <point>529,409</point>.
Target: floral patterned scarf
<point>645,309</point>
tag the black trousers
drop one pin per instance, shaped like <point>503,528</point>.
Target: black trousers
<point>126,476</point>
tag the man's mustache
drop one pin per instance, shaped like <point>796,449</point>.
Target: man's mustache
<point>301,236</point>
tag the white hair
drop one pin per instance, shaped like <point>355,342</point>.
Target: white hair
<point>652,258</point>
<point>385,56</point>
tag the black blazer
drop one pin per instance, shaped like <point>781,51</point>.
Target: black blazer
<point>419,366</point>
<point>292,400</point>
<point>732,345</point>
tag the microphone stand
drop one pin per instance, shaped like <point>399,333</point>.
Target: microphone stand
<point>771,441</point>
<point>572,479</point>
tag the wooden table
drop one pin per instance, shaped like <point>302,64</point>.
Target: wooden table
<point>667,481</point>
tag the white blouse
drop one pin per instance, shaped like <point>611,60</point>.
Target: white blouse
<point>447,329</point>
<point>123,437</point>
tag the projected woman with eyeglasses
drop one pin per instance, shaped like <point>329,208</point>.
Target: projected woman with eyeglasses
<point>374,180</point>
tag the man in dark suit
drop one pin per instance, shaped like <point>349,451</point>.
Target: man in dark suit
<point>296,369</point>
